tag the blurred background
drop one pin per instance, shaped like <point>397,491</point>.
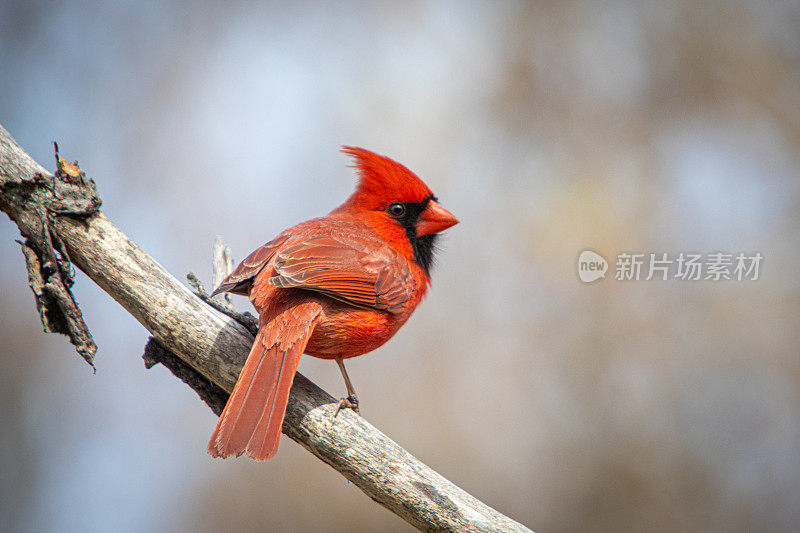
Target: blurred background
<point>547,128</point>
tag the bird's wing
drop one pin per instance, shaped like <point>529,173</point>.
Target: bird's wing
<point>354,272</point>
<point>240,280</point>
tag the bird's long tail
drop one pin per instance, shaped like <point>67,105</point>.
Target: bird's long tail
<point>253,417</point>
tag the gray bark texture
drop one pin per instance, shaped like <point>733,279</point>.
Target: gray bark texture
<point>60,219</point>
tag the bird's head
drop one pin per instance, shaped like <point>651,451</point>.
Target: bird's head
<point>397,204</point>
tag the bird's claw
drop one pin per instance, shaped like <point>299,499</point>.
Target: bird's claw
<point>350,402</point>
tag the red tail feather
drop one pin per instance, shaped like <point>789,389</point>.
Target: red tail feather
<point>252,420</point>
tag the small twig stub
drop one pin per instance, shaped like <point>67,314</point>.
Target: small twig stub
<point>245,319</point>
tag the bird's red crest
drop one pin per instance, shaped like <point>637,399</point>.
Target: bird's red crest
<point>383,180</point>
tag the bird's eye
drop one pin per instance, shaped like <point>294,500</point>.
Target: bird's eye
<point>397,210</point>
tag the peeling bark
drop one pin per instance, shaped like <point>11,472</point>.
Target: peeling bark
<point>34,204</point>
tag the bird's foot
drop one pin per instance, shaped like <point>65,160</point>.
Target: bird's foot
<point>350,402</point>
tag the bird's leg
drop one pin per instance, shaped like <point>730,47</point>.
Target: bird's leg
<point>351,402</point>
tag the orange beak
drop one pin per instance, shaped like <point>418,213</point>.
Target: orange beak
<point>434,219</point>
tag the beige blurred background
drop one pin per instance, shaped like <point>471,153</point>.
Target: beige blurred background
<point>547,128</point>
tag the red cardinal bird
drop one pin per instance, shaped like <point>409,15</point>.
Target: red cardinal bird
<point>333,287</point>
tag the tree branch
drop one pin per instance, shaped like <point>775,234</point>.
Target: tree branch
<point>206,348</point>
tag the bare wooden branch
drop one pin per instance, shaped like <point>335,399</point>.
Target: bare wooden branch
<point>216,346</point>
